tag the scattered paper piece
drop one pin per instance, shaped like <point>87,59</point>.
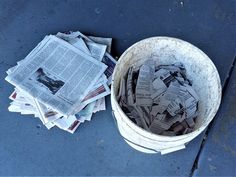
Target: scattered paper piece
<point>143,87</point>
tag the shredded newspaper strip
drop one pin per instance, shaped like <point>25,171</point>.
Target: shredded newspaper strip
<point>159,99</point>
<point>63,81</point>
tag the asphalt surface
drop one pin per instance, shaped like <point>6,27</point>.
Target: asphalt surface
<point>97,148</point>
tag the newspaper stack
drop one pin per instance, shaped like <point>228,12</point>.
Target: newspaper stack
<point>159,99</point>
<point>63,80</point>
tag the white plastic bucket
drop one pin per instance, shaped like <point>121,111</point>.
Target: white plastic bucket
<point>200,70</point>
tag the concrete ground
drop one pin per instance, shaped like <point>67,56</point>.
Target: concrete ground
<point>97,148</point>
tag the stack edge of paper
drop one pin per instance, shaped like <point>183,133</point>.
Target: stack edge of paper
<point>63,81</point>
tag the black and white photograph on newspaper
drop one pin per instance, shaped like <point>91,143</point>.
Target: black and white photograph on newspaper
<point>46,80</point>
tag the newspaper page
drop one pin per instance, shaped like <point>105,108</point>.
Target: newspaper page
<point>80,44</point>
<point>27,104</point>
<point>107,59</point>
<point>86,113</point>
<point>101,90</point>
<point>58,75</point>
<point>92,49</point>
<point>102,40</point>
<point>100,105</point>
<point>46,114</point>
<point>69,124</point>
<point>96,50</point>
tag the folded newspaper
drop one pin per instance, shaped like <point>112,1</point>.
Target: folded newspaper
<point>159,99</point>
<point>63,80</point>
